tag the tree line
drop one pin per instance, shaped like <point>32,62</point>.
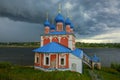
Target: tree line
<point>77,44</point>
<point>97,45</point>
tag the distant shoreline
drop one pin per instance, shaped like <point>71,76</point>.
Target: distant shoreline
<point>78,45</point>
<point>19,46</point>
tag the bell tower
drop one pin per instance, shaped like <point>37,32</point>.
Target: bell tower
<point>59,20</point>
<point>46,25</point>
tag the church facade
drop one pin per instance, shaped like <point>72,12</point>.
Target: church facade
<point>57,50</point>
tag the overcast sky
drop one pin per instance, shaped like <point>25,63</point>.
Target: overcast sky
<point>94,20</point>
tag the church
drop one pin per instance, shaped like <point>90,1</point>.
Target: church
<point>57,50</point>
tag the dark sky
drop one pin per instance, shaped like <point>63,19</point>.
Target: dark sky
<point>94,20</point>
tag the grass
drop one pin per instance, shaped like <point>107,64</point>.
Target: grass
<point>13,72</point>
<point>108,73</point>
<point>29,73</point>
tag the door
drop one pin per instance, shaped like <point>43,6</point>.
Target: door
<point>53,61</point>
<point>74,67</point>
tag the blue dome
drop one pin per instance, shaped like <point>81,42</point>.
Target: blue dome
<point>71,26</point>
<point>47,23</point>
<point>52,26</point>
<point>67,21</point>
<point>59,18</point>
<point>95,58</point>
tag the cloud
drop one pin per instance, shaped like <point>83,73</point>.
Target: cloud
<point>12,31</point>
<point>90,18</point>
<point>111,36</point>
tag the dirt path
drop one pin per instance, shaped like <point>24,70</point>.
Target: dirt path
<point>94,75</point>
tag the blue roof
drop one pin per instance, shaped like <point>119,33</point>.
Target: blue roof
<point>47,23</point>
<point>59,18</point>
<point>52,26</point>
<point>58,32</point>
<point>67,21</point>
<point>78,53</point>
<point>71,26</point>
<point>53,47</point>
<point>95,58</point>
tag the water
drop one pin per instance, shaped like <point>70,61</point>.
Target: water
<point>25,56</point>
<point>107,55</point>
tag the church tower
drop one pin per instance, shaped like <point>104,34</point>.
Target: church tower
<point>60,32</point>
<point>47,25</point>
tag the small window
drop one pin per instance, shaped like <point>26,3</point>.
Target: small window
<point>62,61</point>
<point>47,60</point>
<point>59,27</point>
<point>37,60</point>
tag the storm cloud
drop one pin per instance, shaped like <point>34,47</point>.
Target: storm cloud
<point>90,17</point>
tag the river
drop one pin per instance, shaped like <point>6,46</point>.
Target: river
<point>25,56</point>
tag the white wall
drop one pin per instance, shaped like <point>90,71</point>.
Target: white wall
<point>77,61</point>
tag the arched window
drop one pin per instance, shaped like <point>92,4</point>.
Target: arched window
<point>46,41</point>
<point>64,41</point>
<point>47,60</point>
<point>62,61</point>
<point>59,26</point>
<point>37,60</point>
<point>55,39</point>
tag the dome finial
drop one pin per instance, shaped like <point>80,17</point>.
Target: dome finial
<point>68,13</point>
<point>71,17</point>
<point>59,8</point>
<point>52,20</point>
<point>46,15</point>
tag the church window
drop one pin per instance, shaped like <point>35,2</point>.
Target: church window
<point>59,27</point>
<point>47,60</point>
<point>62,61</point>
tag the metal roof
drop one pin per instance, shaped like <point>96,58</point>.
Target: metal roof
<point>47,23</point>
<point>53,47</point>
<point>52,26</point>
<point>58,32</point>
<point>67,21</point>
<point>78,53</point>
<point>95,58</point>
<point>59,18</point>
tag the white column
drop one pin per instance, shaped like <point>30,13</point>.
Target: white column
<point>59,39</point>
<point>41,41</point>
<point>70,42</point>
<point>50,38</point>
<point>56,61</point>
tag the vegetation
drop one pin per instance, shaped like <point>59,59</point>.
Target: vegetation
<point>13,72</point>
<point>20,44</point>
<point>115,66</point>
<point>97,45</point>
<point>107,73</point>
<point>78,45</point>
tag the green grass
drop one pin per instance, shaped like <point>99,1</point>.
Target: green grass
<point>29,73</point>
<point>108,73</point>
<point>13,72</point>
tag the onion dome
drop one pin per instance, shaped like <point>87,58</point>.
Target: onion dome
<point>59,18</point>
<point>52,26</point>
<point>95,58</point>
<point>71,26</point>
<point>67,21</point>
<point>46,23</point>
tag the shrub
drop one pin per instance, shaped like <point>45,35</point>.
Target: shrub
<point>5,65</point>
<point>115,66</point>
